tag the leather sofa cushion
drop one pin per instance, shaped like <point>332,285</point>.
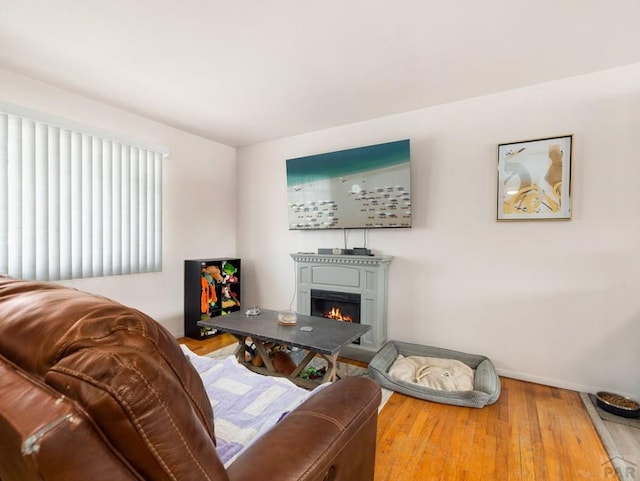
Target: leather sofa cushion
<point>123,368</point>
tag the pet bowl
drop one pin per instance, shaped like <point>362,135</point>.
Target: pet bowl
<point>617,404</point>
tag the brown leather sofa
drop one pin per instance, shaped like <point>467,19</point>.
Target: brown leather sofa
<point>93,390</point>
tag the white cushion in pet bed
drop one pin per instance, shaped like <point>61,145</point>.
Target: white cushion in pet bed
<point>433,372</point>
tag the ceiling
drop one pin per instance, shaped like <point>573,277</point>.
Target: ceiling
<point>246,71</point>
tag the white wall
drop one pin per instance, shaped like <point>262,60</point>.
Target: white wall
<point>199,178</point>
<point>556,302</point>
<point>553,302</point>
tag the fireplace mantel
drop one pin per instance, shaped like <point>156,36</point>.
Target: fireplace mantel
<point>364,275</point>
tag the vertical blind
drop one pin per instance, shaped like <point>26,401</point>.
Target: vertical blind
<point>74,204</point>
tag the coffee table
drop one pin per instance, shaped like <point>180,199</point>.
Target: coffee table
<point>316,335</point>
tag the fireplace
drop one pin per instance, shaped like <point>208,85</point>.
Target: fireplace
<point>340,306</point>
<point>362,276</point>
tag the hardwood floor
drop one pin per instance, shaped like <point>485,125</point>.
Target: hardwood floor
<point>533,432</point>
<point>208,345</point>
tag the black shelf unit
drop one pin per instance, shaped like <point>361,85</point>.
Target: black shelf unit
<point>212,288</point>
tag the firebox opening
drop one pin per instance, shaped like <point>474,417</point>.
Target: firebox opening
<point>341,306</point>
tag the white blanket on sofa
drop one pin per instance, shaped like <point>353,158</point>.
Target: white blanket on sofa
<point>433,372</point>
<point>245,404</point>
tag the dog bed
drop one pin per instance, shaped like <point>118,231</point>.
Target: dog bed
<point>486,383</point>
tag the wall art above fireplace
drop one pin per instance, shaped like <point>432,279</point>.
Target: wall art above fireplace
<point>360,188</point>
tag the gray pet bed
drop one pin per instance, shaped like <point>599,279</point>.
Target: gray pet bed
<point>486,382</point>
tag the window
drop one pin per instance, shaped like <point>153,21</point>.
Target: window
<point>74,203</point>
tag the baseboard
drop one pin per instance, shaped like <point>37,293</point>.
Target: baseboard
<point>572,386</point>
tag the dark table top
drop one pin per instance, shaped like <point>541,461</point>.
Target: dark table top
<point>327,336</point>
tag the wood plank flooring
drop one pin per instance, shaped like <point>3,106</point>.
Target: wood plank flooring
<point>533,432</point>
<point>208,345</point>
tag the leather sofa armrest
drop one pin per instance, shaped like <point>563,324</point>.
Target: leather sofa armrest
<point>44,435</point>
<point>331,436</point>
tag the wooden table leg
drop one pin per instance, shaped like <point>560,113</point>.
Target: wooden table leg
<point>331,374</point>
<point>302,364</point>
<point>264,355</point>
<point>242,347</point>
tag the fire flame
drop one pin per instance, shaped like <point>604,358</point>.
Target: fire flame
<point>336,313</point>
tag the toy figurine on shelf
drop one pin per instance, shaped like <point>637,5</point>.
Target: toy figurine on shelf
<point>214,272</point>
<point>229,271</point>
<point>229,298</point>
<point>209,298</point>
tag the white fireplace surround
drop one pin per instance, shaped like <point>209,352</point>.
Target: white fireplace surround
<point>364,275</point>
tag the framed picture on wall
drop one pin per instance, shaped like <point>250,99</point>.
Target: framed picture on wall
<point>534,179</point>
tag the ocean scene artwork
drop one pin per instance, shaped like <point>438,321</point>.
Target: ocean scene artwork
<point>360,188</point>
